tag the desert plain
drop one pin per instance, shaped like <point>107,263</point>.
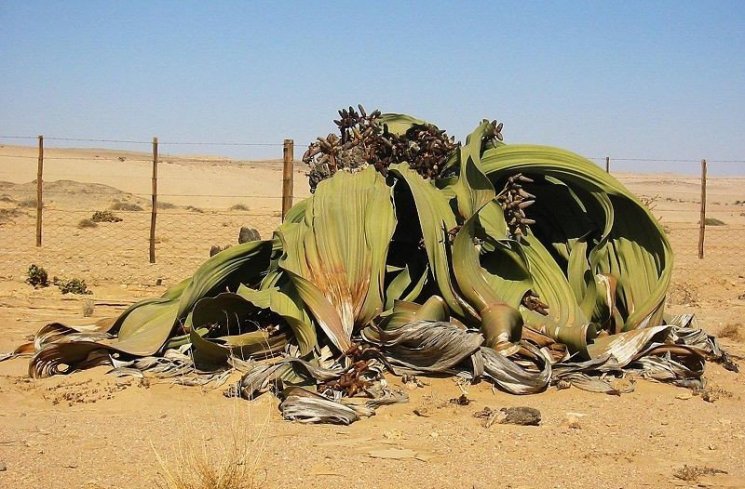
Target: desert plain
<point>92,430</point>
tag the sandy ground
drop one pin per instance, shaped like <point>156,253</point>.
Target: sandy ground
<point>90,430</point>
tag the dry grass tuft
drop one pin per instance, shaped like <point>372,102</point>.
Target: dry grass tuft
<point>239,207</point>
<point>683,293</point>
<point>125,206</point>
<point>691,473</point>
<point>732,331</point>
<point>713,393</point>
<point>87,223</point>
<point>225,454</point>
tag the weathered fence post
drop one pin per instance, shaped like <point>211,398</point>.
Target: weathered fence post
<point>702,217</point>
<point>287,175</point>
<point>39,190</point>
<point>154,214</point>
<point>607,164</point>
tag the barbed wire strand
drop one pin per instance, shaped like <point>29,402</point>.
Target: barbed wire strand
<point>134,141</point>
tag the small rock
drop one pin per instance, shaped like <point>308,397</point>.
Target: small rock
<point>572,421</point>
<point>684,396</point>
<point>215,249</point>
<point>3,467</point>
<point>247,234</point>
<point>521,415</point>
<point>422,412</point>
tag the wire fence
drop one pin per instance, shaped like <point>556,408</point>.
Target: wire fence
<point>97,216</point>
<point>96,219</point>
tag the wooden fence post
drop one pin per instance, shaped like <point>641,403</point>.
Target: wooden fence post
<point>39,190</point>
<point>702,217</point>
<point>288,154</point>
<point>154,214</point>
<point>607,164</point>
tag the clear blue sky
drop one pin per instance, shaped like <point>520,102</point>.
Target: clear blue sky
<point>662,79</point>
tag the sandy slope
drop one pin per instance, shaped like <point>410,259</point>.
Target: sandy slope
<point>90,430</point>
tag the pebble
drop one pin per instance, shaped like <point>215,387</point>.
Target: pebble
<point>572,421</point>
<point>3,467</point>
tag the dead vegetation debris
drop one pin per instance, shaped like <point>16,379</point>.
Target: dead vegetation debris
<point>519,415</point>
<point>461,400</point>
<point>713,393</point>
<point>692,473</point>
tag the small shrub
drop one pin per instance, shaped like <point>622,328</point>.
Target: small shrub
<point>239,207</point>
<point>712,221</point>
<point>166,205</point>
<point>191,208</point>
<point>87,223</point>
<point>28,203</point>
<point>37,277</point>
<point>125,206</point>
<point>72,286</point>
<point>105,216</point>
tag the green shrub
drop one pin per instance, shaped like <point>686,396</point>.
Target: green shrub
<point>712,221</point>
<point>105,216</point>
<point>72,286</point>
<point>37,277</point>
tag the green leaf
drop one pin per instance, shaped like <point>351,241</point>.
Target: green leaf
<point>336,257</point>
<point>436,218</point>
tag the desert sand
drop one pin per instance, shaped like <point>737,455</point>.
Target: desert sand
<point>91,430</point>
